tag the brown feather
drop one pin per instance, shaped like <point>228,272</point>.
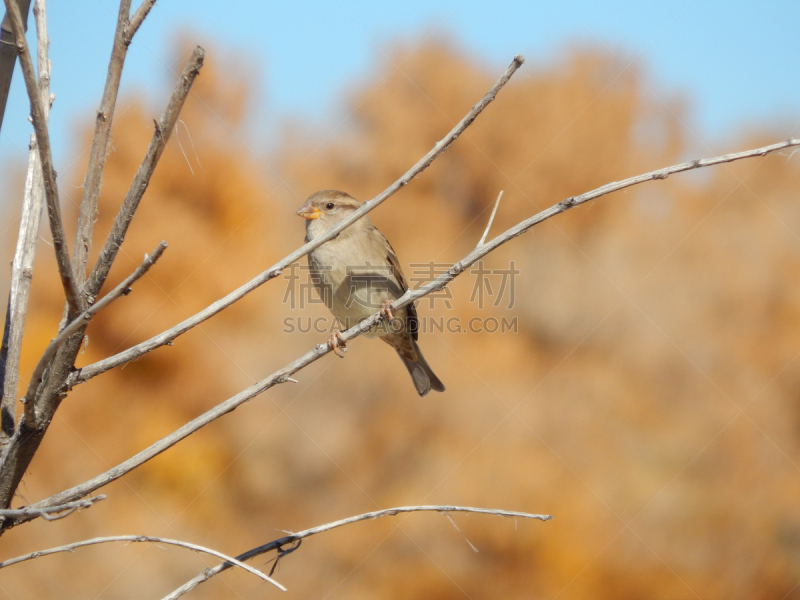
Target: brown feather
<point>346,269</point>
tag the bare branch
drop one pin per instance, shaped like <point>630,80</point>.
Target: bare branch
<point>42,55</point>
<point>19,451</point>
<point>136,539</point>
<point>43,143</point>
<point>102,132</point>
<point>275,270</point>
<point>22,264</point>
<point>137,18</point>
<point>491,219</point>
<point>296,537</point>
<point>8,54</point>
<point>52,513</point>
<point>80,322</point>
<point>284,374</point>
<point>163,130</point>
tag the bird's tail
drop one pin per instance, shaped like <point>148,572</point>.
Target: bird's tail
<point>421,373</point>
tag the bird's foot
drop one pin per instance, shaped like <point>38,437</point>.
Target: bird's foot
<point>386,310</point>
<point>337,344</point>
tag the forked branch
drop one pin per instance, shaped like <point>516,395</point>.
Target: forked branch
<point>17,454</point>
<point>79,322</point>
<point>139,539</point>
<point>294,538</point>
<point>137,18</point>
<point>52,513</point>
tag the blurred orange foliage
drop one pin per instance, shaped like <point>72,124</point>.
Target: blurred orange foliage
<point>648,399</point>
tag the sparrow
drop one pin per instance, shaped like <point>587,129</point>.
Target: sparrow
<point>357,273</point>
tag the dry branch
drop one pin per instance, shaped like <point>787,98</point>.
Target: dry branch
<point>491,219</point>
<point>136,539</point>
<point>164,127</point>
<point>21,448</point>
<point>52,513</point>
<point>321,350</point>
<point>22,264</point>
<point>296,537</point>
<point>43,144</point>
<point>79,323</point>
<point>168,336</point>
<point>126,28</point>
<point>137,18</point>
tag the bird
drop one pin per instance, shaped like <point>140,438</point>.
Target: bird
<point>357,273</point>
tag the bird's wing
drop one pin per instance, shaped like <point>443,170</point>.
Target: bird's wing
<point>412,323</point>
<point>318,278</point>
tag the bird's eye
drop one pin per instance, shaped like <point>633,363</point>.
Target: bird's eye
<point>329,206</point>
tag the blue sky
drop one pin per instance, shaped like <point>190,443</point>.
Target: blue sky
<point>737,62</point>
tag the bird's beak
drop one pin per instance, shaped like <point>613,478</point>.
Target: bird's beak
<point>309,212</point>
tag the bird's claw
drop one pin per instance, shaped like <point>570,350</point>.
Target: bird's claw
<point>337,344</point>
<point>386,310</point>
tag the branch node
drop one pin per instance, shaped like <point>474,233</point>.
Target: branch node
<point>567,202</point>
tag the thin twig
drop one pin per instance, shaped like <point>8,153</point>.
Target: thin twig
<point>136,539</point>
<point>168,336</point>
<point>321,350</point>
<point>491,219</point>
<point>79,322</point>
<point>52,513</point>
<point>453,523</point>
<point>43,144</point>
<point>22,264</point>
<point>137,18</point>
<point>164,128</point>
<point>43,63</point>
<point>294,537</point>
<point>126,28</point>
